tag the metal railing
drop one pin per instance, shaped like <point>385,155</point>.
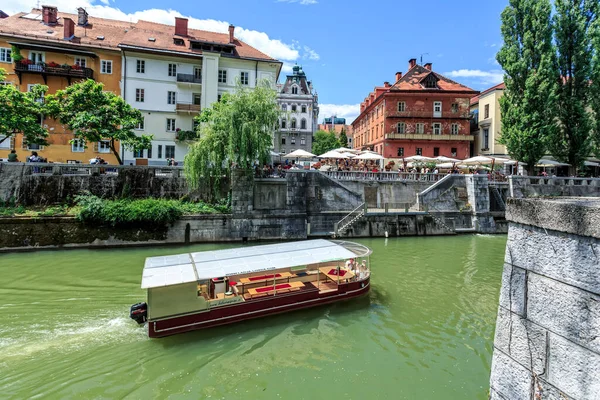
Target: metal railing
<point>67,71</point>
<point>88,169</point>
<point>383,176</point>
<point>346,222</point>
<point>189,78</point>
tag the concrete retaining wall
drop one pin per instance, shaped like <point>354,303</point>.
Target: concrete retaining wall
<point>525,186</point>
<point>547,342</point>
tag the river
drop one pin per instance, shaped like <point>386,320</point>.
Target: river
<point>424,332</point>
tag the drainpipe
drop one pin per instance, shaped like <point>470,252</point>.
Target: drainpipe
<point>124,95</point>
<point>256,75</point>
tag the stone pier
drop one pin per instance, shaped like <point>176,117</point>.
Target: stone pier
<point>547,342</point>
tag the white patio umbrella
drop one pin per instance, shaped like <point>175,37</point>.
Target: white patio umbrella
<point>369,156</point>
<point>591,164</point>
<point>300,154</point>
<point>483,160</point>
<point>332,154</point>
<point>419,158</point>
<point>450,165</point>
<point>349,155</point>
<point>550,163</point>
<point>345,150</point>
<point>442,159</point>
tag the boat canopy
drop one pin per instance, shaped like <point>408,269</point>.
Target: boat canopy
<point>191,267</point>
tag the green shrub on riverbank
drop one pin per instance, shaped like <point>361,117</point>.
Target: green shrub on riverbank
<point>136,212</point>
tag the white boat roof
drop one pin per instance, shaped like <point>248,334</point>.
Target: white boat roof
<point>191,267</point>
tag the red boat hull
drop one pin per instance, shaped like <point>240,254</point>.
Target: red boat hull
<point>255,309</point>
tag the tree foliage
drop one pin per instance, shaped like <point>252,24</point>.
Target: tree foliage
<point>595,85</point>
<point>93,115</point>
<point>20,112</point>
<point>343,139</point>
<point>573,22</point>
<point>235,131</point>
<point>324,141</point>
<point>527,57</point>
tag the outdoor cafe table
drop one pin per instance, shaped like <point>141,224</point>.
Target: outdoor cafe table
<point>331,273</point>
<point>273,288</point>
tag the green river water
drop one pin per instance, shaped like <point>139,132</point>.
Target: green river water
<point>424,332</point>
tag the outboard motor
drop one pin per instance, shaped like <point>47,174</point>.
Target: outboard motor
<point>139,312</point>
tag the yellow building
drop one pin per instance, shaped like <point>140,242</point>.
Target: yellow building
<point>59,49</point>
<point>486,108</point>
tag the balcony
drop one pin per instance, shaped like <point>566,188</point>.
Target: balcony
<point>53,69</point>
<point>402,136</point>
<point>189,78</point>
<point>187,107</point>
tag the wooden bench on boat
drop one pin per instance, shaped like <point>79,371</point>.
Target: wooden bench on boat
<point>271,289</point>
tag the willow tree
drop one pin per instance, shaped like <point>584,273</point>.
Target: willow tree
<point>527,57</point>
<point>235,132</point>
<point>574,21</point>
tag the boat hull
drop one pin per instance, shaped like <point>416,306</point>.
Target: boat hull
<point>255,309</point>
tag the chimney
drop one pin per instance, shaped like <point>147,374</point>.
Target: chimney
<point>412,62</point>
<point>428,66</point>
<point>49,15</point>
<point>181,26</point>
<point>386,85</point>
<point>231,30</point>
<point>82,17</point>
<point>398,76</point>
<point>362,106</point>
<point>69,28</point>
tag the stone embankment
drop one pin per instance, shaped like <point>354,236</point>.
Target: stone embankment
<point>547,342</point>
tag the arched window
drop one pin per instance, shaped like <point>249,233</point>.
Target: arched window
<point>294,89</point>
<point>293,126</point>
<point>284,107</point>
<point>303,124</point>
<point>283,123</point>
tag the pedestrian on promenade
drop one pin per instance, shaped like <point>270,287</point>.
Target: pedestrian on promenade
<point>12,157</point>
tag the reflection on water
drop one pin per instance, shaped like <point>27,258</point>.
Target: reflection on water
<point>425,331</point>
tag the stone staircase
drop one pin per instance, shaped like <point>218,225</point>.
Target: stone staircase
<point>345,223</point>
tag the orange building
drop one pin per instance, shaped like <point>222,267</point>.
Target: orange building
<point>59,49</point>
<point>422,113</point>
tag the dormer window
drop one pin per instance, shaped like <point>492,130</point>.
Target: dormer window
<point>294,89</point>
<point>430,82</point>
<point>178,41</point>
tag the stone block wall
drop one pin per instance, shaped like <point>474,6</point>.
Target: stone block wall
<point>547,341</point>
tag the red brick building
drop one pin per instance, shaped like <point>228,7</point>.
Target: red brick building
<point>422,113</point>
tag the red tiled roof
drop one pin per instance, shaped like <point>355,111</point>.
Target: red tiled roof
<point>475,99</point>
<point>412,81</point>
<point>116,33</point>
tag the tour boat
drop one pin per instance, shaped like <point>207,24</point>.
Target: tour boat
<point>209,288</point>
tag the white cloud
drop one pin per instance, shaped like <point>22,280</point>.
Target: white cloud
<point>348,111</point>
<point>310,54</point>
<point>491,77</point>
<point>303,2</point>
<point>287,67</point>
<point>260,40</point>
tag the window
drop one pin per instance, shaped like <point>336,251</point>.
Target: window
<point>453,152</point>
<point>294,108</point>
<point>140,125</point>
<point>293,125</point>
<point>401,127</point>
<point>140,67</point>
<point>454,130</point>
<point>139,95</point>
<point>486,112</point>
<point>282,150</point>
<point>436,151</point>
<point>219,97</point>
<point>198,73</point>
<point>170,151</point>
<point>172,71</point>
<point>437,109</point>
<point>138,154</point>
<point>171,97</point>
<point>437,129</point>
<point>292,140</point>
<point>195,124</point>
<point>159,151</point>
<point>454,107</point>
<point>283,140</point>
<point>170,124</point>
<point>303,109</point>
<point>222,76</point>
<point>106,67</point>
<point>294,89</point>
<point>5,55</point>
<point>104,146</point>
<point>420,129</point>
<point>77,146</point>
<point>419,151</point>
<point>303,124</point>
<point>486,139</point>
<point>149,152</point>
<point>244,78</point>
<point>400,151</point>
<point>284,107</point>
<point>36,57</point>
<point>196,98</point>
<point>401,106</point>
<point>80,61</point>
<point>430,82</point>
<point>33,146</point>
<point>303,140</point>
<point>283,123</point>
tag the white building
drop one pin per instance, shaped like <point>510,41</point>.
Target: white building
<point>300,112</point>
<point>171,73</point>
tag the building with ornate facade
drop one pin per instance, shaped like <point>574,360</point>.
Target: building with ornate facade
<point>486,111</point>
<point>422,113</point>
<point>299,105</point>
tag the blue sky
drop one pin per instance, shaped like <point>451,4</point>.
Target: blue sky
<point>345,47</point>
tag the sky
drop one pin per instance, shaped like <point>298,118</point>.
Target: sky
<point>346,48</point>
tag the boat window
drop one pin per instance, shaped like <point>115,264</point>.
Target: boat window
<point>203,290</point>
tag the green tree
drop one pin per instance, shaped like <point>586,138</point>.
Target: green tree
<point>595,85</point>
<point>324,141</point>
<point>343,139</point>
<point>93,115</point>
<point>20,112</point>
<point>238,130</point>
<point>527,57</point>
<point>571,141</point>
